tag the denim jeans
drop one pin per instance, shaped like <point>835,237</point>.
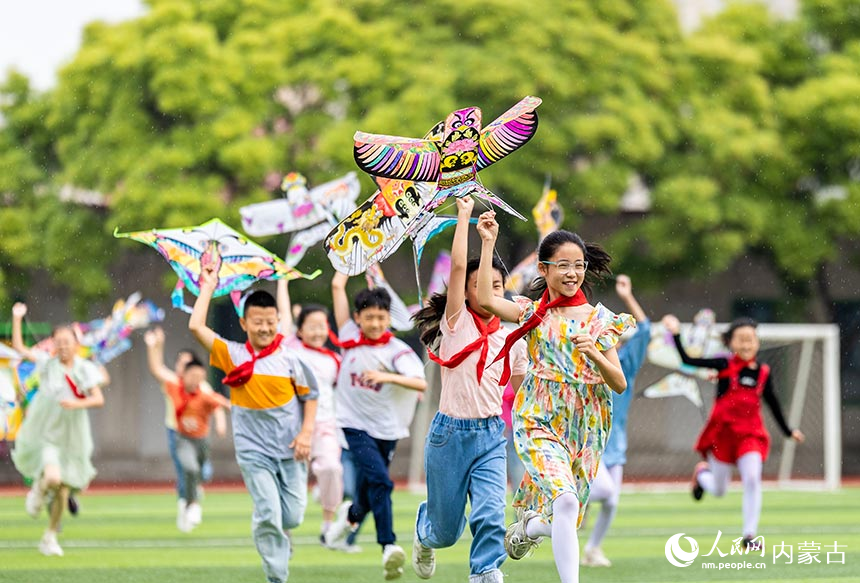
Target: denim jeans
<point>279,490</point>
<point>373,492</point>
<point>465,458</point>
<point>180,475</point>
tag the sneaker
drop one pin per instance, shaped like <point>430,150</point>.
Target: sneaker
<point>594,557</point>
<point>49,546</point>
<point>194,514</point>
<point>393,558</point>
<point>754,546</point>
<point>517,543</point>
<point>340,526</point>
<point>345,547</point>
<point>34,501</point>
<point>182,516</point>
<point>73,505</point>
<point>696,489</point>
<point>423,559</point>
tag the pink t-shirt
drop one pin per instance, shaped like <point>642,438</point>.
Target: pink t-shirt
<point>461,396</point>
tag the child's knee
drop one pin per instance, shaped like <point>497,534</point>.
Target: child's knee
<point>565,505</point>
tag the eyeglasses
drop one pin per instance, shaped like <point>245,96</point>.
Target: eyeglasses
<point>566,266</point>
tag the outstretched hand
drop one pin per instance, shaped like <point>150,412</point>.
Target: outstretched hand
<point>672,324</point>
<point>209,277</point>
<point>19,310</point>
<point>465,204</point>
<point>623,286</point>
<point>798,436</point>
<point>488,228</point>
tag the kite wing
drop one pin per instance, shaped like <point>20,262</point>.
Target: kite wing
<point>411,159</point>
<point>509,132</point>
<point>547,213</point>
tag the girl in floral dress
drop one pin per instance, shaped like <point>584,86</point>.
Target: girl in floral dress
<point>563,410</point>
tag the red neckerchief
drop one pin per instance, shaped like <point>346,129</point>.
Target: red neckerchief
<point>735,366</point>
<point>562,301</point>
<point>362,340</point>
<point>322,349</point>
<point>242,373</point>
<point>75,390</point>
<point>184,400</point>
<point>482,342</point>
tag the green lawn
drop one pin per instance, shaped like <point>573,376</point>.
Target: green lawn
<point>132,538</point>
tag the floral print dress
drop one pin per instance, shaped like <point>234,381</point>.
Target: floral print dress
<point>563,410</point>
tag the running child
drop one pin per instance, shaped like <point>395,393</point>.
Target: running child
<point>274,406</point>
<point>376,393</point>
<point>563,410</point>
<point>54,445</point>
<point>154,340</point>
<point>632,350</point>
<point>464,454</point>
<point>734,433</point>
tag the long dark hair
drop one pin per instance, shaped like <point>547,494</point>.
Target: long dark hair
<point>429,317</point>
<point>598,260</point>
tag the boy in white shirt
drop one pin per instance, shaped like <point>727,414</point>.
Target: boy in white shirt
<point>377,389</point>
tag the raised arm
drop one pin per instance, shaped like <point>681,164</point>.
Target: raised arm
<point>624,289</point>
<point>488,229</point>
<point>285,308</point>
<point>672,324</point>
<point>19,310</point>
<point>197,323</point>
<point>459,258</point>
<point>154,340</point>
<point>340,302</point>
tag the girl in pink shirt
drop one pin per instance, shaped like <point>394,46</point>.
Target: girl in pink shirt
<point>464,455</point>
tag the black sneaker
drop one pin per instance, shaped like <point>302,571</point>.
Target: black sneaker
<point>754,546</point>
<point>73,505</point>
<point>696,489</point>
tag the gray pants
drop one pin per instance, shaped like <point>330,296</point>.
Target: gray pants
<point>192,454</point>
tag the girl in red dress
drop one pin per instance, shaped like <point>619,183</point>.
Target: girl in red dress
<point>734,433</point>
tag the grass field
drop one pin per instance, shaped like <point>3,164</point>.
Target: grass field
<point>132,538</point>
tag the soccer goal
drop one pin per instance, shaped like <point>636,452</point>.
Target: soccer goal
<point>804,361</point>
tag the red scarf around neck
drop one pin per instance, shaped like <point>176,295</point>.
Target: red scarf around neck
<point>362,340</point>
<point>323,350</point>
<point>562,301</point>
<point>736,365</point>
<point>482,343</point>
<point>242,373</point>
<point>75,390</point>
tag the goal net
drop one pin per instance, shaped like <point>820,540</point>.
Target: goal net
<point>804,361</point>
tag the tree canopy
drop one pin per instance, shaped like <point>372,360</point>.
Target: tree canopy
<point>187,112</point>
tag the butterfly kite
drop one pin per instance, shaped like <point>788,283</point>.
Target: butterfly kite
<point>239,262</point>
<point>107,338</point>
<point>450,159</point>
<point>11,413</point>
<point>310,214</point>
<point>548,216</point>
<point>700,340</point>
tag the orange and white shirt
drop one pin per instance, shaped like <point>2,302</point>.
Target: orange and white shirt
<point>267,411</point>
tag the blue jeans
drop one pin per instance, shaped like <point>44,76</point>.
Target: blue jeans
<point>373,492</point>
<point>465,457</point>
<point>279,490</point>
<point>180,473</point>
<point>349,486</point>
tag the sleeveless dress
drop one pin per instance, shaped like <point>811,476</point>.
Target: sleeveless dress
<point>563,410</point>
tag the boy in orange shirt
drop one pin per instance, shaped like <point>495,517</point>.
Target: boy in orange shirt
<point>193,409</point>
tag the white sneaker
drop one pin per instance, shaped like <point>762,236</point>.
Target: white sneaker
<point>34,501</point>
<point>423,558</point>
<point>345,547</point>
<point>393,558</point>
<point>180,514</point>
<point>517,543</point>
<point>49,546</point>
<point>340,526</point>
<point>594,557</point>
<point>194,514</point>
